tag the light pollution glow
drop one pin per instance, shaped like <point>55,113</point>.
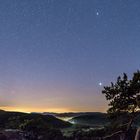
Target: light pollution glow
<point>57,110</point>
<point>69,101</point>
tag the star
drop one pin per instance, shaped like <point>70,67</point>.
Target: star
<point>97,13</point>
<point>100,84</point>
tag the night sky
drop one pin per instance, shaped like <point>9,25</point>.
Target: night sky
<point>56,55</point>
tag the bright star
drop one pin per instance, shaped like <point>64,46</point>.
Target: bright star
<point>100,84</point>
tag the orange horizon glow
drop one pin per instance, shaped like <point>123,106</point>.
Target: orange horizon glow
<point>39,110</point>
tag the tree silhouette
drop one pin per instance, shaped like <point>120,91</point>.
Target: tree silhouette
<point>124,98</point>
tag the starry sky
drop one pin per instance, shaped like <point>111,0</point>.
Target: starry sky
<point>56,55</point>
